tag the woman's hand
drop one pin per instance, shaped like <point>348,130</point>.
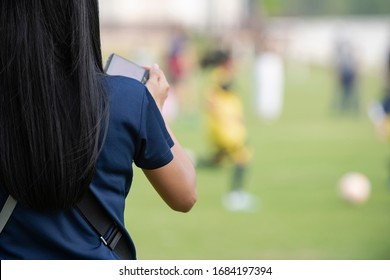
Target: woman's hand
<point>157,85</point>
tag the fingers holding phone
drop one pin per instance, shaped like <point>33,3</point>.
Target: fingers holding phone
<point>153,77</point>
<point>157,85</point>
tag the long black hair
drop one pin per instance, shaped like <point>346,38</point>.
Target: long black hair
<point>52,103</point>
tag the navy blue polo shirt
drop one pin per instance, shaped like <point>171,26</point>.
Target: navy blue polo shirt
<point>136,134</point>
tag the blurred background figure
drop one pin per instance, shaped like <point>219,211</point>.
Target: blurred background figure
<point>386,96</point>
<point>175,71</point>
<point>386,101</point>
<point>179,62</point>
<point>347,95</point>
<point>227,133</point>
<point>175,59</point>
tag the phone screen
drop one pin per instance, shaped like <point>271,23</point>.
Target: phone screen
<point>117,65</point>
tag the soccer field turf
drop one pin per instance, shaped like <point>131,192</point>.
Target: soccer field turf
<point>297,163</point>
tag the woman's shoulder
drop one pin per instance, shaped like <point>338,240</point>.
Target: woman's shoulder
<point>127,97</point>
<point>123,86</point>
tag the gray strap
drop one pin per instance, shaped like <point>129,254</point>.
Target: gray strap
<point>6,212</point>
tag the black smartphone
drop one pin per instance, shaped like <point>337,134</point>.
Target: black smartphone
<point>117,65</point>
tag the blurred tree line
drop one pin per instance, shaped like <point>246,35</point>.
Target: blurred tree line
<point>323,7</point>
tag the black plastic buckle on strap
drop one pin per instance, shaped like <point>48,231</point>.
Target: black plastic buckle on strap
<point>112,240</point>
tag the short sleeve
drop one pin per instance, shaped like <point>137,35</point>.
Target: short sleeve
<point>153,148</point>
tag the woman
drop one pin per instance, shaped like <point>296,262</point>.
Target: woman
<point>66,130</point>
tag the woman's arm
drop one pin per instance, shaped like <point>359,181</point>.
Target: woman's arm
<point>176,181</point>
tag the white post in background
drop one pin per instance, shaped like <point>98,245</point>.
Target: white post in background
<point>269,85</point>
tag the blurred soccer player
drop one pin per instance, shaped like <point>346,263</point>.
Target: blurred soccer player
<point>226,128</point>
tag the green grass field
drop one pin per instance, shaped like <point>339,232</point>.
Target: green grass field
<point>297,163</point>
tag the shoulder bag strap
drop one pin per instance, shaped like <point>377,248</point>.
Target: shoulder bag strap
<point>6,212</point>
<point>108,231</point>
